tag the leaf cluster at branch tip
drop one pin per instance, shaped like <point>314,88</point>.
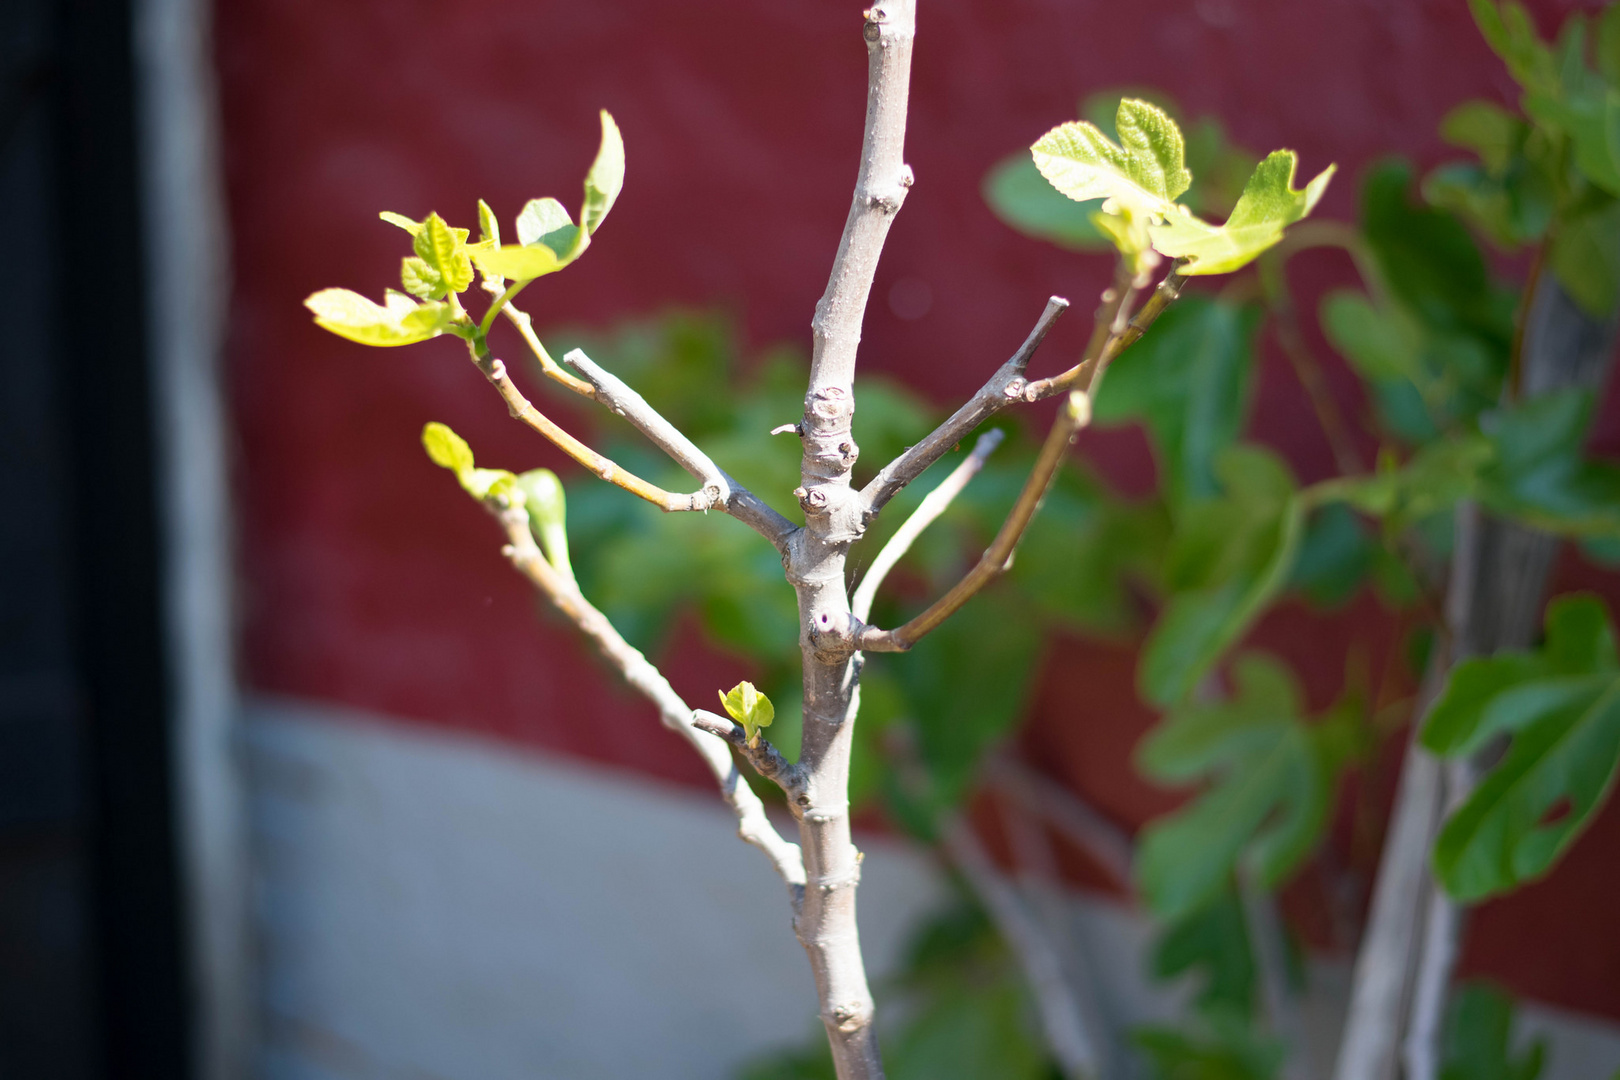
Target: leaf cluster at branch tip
<point>442,260</point>
<point>1140,178</point>
<point>750,708</point>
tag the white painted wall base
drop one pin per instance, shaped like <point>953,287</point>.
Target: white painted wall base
<point>436,907</point>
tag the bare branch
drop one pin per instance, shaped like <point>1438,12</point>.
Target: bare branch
<point>1035,865</point>
<point>933,505</point>
<point>1111,336</point>
<point>1270,948</point>
<point>1107,327</point>
<point>766,759</point>
<point>752,824</point>
<point>1441,940</point>
<point>1005,387</point>
<point>552,370</point>
<point>734,499</point>
<point>522,409</point>
<point>1031,945</point>
<point>1077,820</point>
<point>1498,582</point>
<point>1074,415</point>
<point>880,190</point>
<point>1115,339</point>
<point>602,386</point>
<point>813,556</point>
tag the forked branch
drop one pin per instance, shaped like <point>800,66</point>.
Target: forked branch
<point>933,505</point>
<point>1115,339</point>
<point>752,824</point>
<point>766,759</point>
<point>719,491</point>
<point>997,558</point>
<point>1006,387</point>
<point>1113,333</point>
<point>734,499</point>
<point>521,408</point>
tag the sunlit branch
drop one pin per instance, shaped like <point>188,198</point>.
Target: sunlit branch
<point>933,505</point>
<point>1074,415</point>
<point>1006,387</point>
<point>752,824</point>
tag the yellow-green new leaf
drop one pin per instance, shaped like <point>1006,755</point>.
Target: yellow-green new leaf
<point>420,279</point>
<point>489,239</point>
<point>412,227</point>
<point>1269,204</point>
<point>398,321</point>
<point>489,227</point>
<point>1143,173</point>
<point>489,483</point>
<point>445,250</point>
<point>606,178</point>
<point>543,498</point>
<point>1129,235</point>
<point>446,449</point>
<point>518,262</point>
<point>450,451</point>
<point>545,221</point>
<point>750,708</point>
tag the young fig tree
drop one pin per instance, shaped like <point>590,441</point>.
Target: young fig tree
<point>1137,179</point>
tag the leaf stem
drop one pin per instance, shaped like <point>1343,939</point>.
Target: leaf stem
<point>500,302</point>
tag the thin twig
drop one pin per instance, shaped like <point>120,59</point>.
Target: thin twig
<point>1163,296</point>
<point>1033,948</point>
<point>733,498</point>
<point>1115,335</point>
<point>719,491</point>
<point>522,409</point>
<point>1106,328</point>
<point>1035,867</point>
<point>552,370</point>
<point>766,759</point>
<point>1285,316</point>
<point>1006,387</point>
<point>933,505</point>
<point>1266,935</point>
<point>1082,824</point>
<point>1073,416</point>
<point>752,824</point>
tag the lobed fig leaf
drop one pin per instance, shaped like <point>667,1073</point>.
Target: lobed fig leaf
<point>1269,204</point>
<point>398,321</point>
<point>1560,704</point>
<point>1143,173</point>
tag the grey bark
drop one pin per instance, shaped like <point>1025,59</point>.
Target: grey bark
<point>636,670</point>
<point>1499,579</point>
<point>1061,1010</point>
<point>814,557</point>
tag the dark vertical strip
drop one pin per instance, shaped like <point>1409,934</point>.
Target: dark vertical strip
<point>105,372</point>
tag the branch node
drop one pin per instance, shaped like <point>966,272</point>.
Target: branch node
<point>993,396</point>
<point>833,637</point>
<point>797,429</point>
<point>766,759</point>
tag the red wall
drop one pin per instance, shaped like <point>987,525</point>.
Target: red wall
<point>366,579</point>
